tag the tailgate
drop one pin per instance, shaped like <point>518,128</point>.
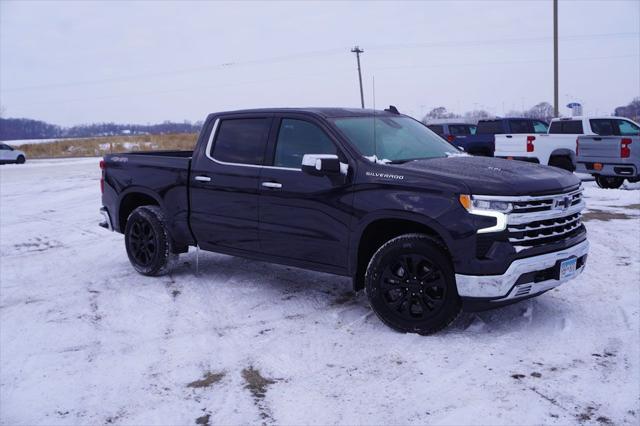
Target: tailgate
<point>511,145</point>
<point>601,147</point>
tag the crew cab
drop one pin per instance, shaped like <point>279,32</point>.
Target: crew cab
<point>558,147</point>
<point>425,229</point>
<point>482,142</point>
<point>9,154</point>
<point>610,159</point>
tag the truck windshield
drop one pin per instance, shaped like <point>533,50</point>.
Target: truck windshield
<point>393,139</point>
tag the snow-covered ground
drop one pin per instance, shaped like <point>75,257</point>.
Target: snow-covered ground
<point>86,340</point>
<point>18,142</point>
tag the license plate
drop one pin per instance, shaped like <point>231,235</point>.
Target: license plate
<point>568,268</point>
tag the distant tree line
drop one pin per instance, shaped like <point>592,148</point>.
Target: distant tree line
<point>540,111</point>
<point>24,128</point>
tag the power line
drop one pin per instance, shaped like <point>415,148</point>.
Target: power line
<point>311,54</point>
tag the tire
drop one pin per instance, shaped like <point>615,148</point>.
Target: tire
<point>564,163</point>
<point>425,303</point>
<point>20,159</point>
<point>148,242</point>
<point>609,182</point>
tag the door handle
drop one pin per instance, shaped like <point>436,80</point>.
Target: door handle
<point>509,136</point>
<point>274,185</point>
<point>202,178</point>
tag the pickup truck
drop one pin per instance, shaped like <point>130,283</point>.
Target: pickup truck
<point>425,229</point>
<point>610,159</point>
<point>451,131</point>
<point>482,142</point>
<point>558,147</point>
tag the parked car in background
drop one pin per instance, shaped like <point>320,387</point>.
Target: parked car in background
<point>610,159</point>
<point>9,154</point>
<point>452,131</point>
<point>558,147</point>
<point>483,141</point>
<point>374,195</point>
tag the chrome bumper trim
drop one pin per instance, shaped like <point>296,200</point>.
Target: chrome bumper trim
<point>107,219</point>
<point>502,286</point>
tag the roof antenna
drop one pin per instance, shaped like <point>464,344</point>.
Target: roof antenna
<point>375,142</point>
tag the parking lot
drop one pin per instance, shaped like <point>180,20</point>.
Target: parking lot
<point>84,339</point>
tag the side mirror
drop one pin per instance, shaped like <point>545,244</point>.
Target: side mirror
<point>323,165</point>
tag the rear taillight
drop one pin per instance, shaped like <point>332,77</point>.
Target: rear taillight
<point>530,146</point>
<point>625,152</point>
<point>577,145</point>
<point>451,138</point>
<point>103,167</point>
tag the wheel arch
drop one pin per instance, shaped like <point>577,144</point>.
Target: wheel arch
<point>131,199</point>
<point>372,233</point>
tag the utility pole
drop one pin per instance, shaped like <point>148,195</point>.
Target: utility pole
<point>556,111</point>
<point>358,51</point>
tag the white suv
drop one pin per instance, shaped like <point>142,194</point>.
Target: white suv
<point>11,155</point>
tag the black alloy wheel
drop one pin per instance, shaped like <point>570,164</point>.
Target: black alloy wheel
<point>411,285</point>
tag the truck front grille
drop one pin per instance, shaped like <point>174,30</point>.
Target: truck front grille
<point>535,221</point>
<point>544,231</point>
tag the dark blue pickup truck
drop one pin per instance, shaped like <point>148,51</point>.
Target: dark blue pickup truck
<point>482,142</point>
<point>425,229</point>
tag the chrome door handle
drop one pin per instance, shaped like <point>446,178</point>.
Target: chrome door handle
<point>272,185</point>
<point>202,178</point>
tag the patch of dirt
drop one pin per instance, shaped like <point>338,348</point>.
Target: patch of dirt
<point>605,216</point>
<point>536,374</point>
<point>207,380</point>
<point>203,420</point>
<point>518,376</point>
<point>257,385</point>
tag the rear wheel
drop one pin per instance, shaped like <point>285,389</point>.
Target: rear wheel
<point>148,242</point>
<point>564,163</point>
<point>20,159</point>
<point>609,182</point>
<point>411,285</point>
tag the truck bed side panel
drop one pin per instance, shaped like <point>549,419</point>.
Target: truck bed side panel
<point>163,177</point>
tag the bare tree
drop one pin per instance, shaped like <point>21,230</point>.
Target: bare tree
<point>541,111</point>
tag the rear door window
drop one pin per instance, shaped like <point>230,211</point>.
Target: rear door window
<point>459,129</point>
<point>489,127</point>
<point>242,140</point>
<point>567,127</point>
<point>436,128</point>
<point>521,126</point>
<point>297,138</point>
<point>603,127</point>
<point>627,128</point>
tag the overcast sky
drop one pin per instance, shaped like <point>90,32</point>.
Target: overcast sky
<point>78,62</point>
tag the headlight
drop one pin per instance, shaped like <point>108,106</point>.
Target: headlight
<point>487,208</point>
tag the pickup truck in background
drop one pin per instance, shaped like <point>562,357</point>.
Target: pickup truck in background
<point>451,131</point>
<point>483,141</point>
<point>610,159</point>
<point>558,147</point>
<point>424,228</point>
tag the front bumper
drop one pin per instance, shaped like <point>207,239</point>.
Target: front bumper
<point>624,170</point>
<point>524,277</point>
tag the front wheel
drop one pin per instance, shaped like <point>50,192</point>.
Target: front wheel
<point>148,241</point>
<point>20,159</point>
<point>564,163</point>
<point>411,285</point>
<point>609,182</point>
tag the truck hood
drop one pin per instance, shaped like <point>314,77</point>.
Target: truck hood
<point>494,176</point>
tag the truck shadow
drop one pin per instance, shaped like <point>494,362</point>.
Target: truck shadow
<point>279,284</point>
